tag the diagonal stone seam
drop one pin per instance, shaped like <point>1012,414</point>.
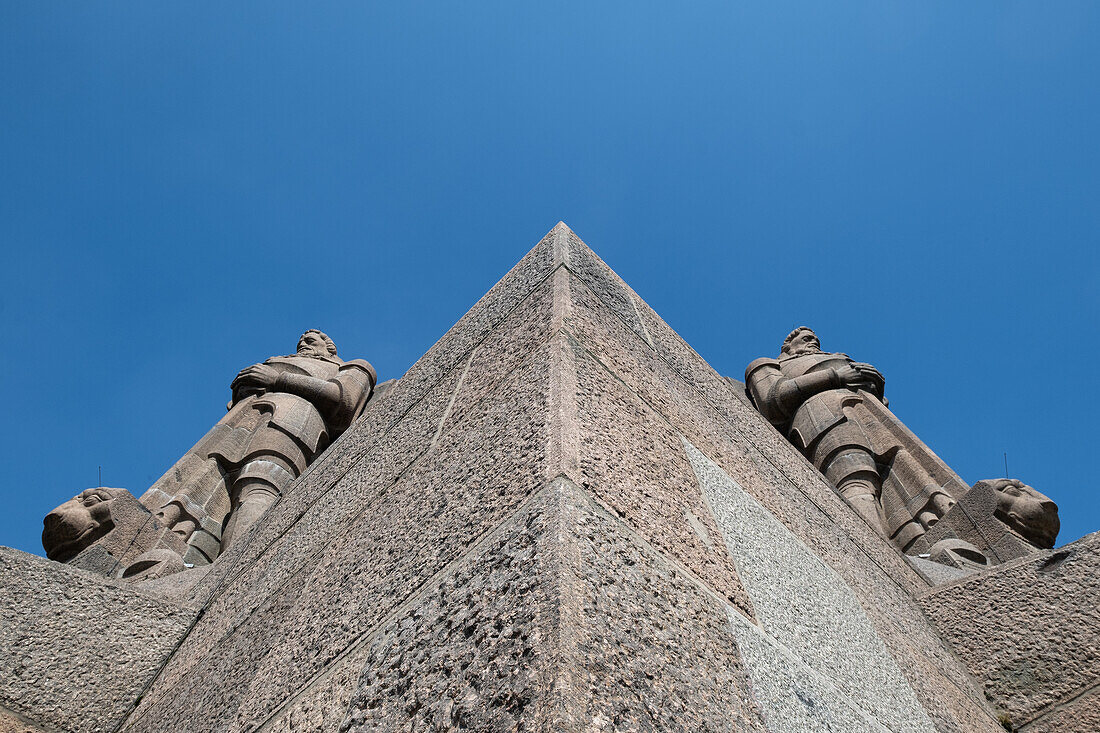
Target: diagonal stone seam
<point>333,450</point>
<point>970,694</point>
<point>454,396</point>
<point>748,439</point>
<point>365,452</point>
<point>353,462</point>
<point>510,523</point>
<point>160,670</point>
<point>747,525</point>
<point>737,622</point>
<point>1053,707</point>
<point>307,565</point>
<point>30,722</point>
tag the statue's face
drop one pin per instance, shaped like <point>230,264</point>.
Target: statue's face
<point>1027,512</point>
<point>805,342</point>
<point>311,344</point>
<point>78,523</point>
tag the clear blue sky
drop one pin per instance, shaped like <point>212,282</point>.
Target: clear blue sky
<point>187,186</point>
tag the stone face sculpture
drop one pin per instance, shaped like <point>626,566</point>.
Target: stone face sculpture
<point>106,530</point>
<point>1025,511</point>
<point>79,522</point>
<point>283,413</point>
<point>1003,519</point>
<point>835,411</point>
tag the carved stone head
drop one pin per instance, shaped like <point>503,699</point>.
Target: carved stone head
<point>316,343</point>
<point>802,340</point>
<point>1027,512</point>
<point>79,522</point>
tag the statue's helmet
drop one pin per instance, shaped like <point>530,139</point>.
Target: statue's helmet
<point>1027,512</point>
<point>79,522</point>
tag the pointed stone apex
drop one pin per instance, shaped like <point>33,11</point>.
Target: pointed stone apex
<point>561,226</point>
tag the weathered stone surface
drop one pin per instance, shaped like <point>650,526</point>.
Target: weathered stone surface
<point>704,408</point>
<point>563,622</point>
<point>809,609</point>
<point>1079,715</point>
<point>516,536</point>
<point>1002,518</point>
<point>701,405</point>
<point>477,472</point>
<point>12,723</point>
<point>1028,630</point>
<point>78,649</point>
<point>301,544</point>
<point>321,515</point>
<point>632,460</point>
<point>938,574</point>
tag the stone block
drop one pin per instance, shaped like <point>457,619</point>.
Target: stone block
<point>1079,715</point>
<point>740,438</point>
<point>476,474</point>
<point>1029,630</point>
<point>12,723</point>
<point>78,648</point>
<point>562,621</point>
<point>808,609</point>
<point>633,461</point>
<point>780,478</point>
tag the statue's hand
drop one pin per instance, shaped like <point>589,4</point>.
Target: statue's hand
<point>869,371</point>
<point>852,377</point>
<point>257,375</point>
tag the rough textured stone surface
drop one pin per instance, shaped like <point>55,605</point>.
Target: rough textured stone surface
<point>808,609</point>
<point>936,573</point>
<point>633,462</point>
<point>78,649</point>
<point>322,515</point>
<point>513,537</point>
<point>562,622</point>
<point>743,444</point>
<point>12,723</point>
<point>1079,715</point>
<point>793,696</point>
<point>668,375</point>
<point>1029,630</point>
<point>477,472</point>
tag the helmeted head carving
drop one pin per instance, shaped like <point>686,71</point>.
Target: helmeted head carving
<point>316,343</point>
<point>79,522</point>
<point>1027,512</point>
<point>802,340</point>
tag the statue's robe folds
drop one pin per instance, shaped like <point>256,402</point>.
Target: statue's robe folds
<point>916,486</point>
<point>274,435</point>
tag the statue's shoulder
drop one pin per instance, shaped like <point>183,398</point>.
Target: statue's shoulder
<point>760,363</point>
<point>361,365</point>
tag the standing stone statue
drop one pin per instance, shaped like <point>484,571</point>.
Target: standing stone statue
<point>829,405</point>
<point>283,413</point>
<point>835,411</point>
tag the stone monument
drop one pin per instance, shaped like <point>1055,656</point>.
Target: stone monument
<point>282,415</point>
<point>561,518</point>
<point>834,410</point>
